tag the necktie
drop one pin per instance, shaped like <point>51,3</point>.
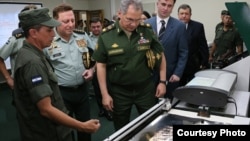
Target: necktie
<point>162,28</point>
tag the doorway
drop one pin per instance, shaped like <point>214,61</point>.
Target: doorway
<point>83,17</point>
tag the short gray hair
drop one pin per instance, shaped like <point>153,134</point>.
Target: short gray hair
<point>126,3</point>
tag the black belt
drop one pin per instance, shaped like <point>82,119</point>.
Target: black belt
<point>134,86</point>
<point>76,87</point>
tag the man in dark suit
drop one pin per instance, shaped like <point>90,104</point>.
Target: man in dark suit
<point>197,44</point>
<point>174,41</point>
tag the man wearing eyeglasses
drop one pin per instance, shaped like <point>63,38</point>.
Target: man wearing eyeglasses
<point>123,70</point>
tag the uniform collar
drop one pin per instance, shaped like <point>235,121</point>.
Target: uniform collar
<point>92,35</point>
<point>158,20</point>
<point>33,49</point>
<point>120,30</point>
<point>58,37</point>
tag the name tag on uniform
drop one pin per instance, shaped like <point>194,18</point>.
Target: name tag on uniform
<point>143,47</point>
<point>115,51</point>
<point>57,53</point>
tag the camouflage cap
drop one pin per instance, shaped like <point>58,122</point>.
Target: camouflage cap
<point>37,17</point>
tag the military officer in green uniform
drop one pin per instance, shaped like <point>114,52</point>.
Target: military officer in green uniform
<point>220,24</point>
<point>41,113</point>
<point>227,42</point>
<point>127,53</point>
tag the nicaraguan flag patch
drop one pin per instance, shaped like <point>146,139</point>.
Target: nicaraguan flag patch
<point>36,79</point>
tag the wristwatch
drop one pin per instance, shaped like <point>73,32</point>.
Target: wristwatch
<point>164,82</point>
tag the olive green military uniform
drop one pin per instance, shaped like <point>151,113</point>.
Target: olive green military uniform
<point>227,40</point>
<point>218,26</point>
<point>129,78</point>
<point>11,47</point>
<point>34,80</point>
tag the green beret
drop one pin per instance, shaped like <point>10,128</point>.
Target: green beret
<point>37,17</point>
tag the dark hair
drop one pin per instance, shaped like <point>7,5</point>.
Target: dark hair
<point>26,30</point>
<point>61,8</point>
<point>28,7</point>
<point>146,14</point>
<point>223,12</point>
<point>174,1</point>
<point>106,22</point>
<point>79,22</point>
<point>95,20</point>
<point>185,6</point>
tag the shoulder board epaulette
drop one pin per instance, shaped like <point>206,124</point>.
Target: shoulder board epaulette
<point>18,33</point>
<point>108,28</point>
<point>79,31</point>
<point>145,24</point>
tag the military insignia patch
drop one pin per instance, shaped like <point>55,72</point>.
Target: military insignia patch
<point>19,35</point>
<point>54,45</point>
<point>114,45</point>
<point>142,40</point>
<point>36,79</point>
<point>55,51</point>
<point>81,43</point>
<point>145,24</point>
<point>87,59</point>
<point>79,31</point>
<point>96,47</point>
<point>110,27</point>
<point>158,56</point>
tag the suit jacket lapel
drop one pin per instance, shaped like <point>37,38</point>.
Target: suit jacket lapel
<point>154,25</point>
<point>190,31</point>
<point>190,28</point>
<point>169,29</point>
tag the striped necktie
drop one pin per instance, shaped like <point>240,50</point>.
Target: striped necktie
<point>162,29</point>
